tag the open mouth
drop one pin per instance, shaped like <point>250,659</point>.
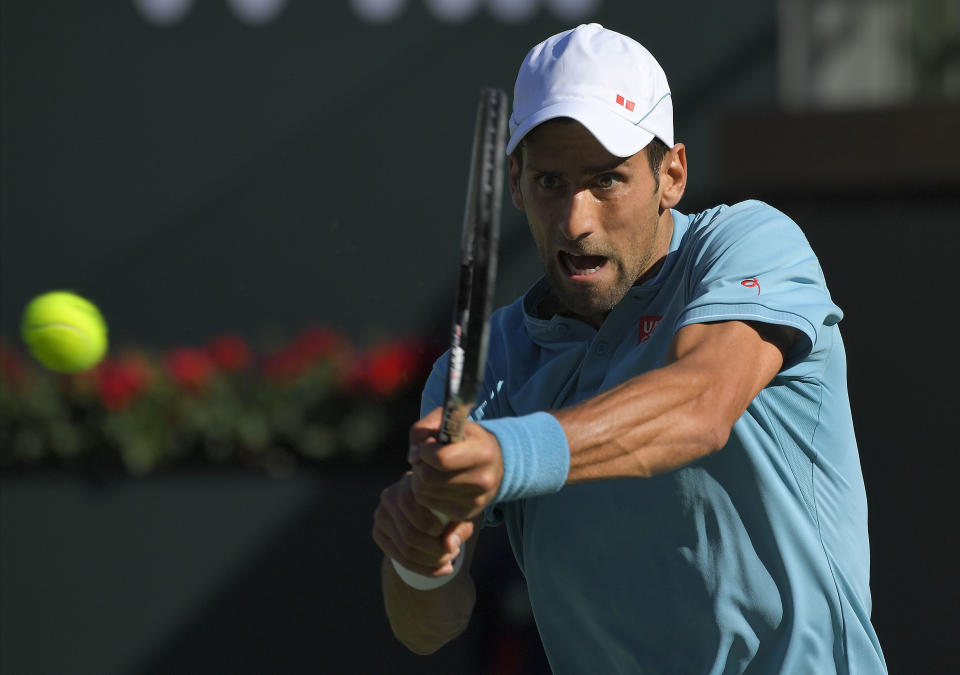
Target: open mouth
<point>581,265</point>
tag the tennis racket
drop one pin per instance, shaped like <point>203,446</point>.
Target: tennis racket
<point>474,300</point>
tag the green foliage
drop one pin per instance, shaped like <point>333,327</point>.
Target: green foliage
<point>315,401</point>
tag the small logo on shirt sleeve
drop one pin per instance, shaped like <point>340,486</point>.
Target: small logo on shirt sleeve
<point>648,324</point>
<point>750,283</point>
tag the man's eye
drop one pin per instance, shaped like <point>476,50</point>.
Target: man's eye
<point>607,180</point>
<point>548,182</point>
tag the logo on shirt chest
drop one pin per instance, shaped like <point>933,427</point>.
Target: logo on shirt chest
<point>648,324</point>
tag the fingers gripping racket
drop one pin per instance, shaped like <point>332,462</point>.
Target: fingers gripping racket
<point>478,271</point>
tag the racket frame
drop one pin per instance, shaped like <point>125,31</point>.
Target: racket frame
<point>478,265</point>
<point>475,289</point>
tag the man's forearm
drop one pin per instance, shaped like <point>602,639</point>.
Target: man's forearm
<point>656,423</point>
<point>667,418</point>
<point>424,621</point>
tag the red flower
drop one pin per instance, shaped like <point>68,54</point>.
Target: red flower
<point>119,381</point>
<point>12,366</point>
<point>190,368</point>
<point>319,342</point>
<point>314,345</point>
<point>230,353</point>
<point>283,365</point>
<point>390,367</point>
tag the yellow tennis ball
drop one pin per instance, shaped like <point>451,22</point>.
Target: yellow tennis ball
<point>64,332</point>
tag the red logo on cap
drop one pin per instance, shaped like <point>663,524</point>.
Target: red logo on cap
<point>629,105</point>
<point>648,324</point>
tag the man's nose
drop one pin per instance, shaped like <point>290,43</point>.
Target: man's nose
<point>580,218</point>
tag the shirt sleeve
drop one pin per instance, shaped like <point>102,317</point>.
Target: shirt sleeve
<point>433,390</point>
<point>753,263</point>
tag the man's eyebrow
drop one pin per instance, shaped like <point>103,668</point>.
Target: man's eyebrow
<point>606,167</point>
<point>614,163</point>
<point>536,169</point>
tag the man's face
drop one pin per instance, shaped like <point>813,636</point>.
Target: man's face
<point>595,217</point>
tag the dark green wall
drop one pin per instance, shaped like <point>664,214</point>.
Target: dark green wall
<point>197,574</point>
<point>212,176</point>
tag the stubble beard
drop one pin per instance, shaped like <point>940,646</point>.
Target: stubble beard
<point>593,302</point>
<point>587,301</point>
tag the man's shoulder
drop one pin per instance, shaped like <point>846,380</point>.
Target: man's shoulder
<point>745,213</point>
<point>517,314</point>
<point>509,315</point>
<point>750,222</point>
<point>506,324</point>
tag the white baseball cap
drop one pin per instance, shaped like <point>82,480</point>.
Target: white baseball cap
<point>606,81</point>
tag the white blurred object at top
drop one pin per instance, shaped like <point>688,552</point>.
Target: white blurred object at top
<point>846,54</point>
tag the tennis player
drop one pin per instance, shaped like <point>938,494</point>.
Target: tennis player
<point>666,433</point>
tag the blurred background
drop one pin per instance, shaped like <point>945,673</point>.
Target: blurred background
<point>264,197</point>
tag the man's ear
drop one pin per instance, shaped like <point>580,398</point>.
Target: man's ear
<point>515,193</point>
<point>673,176</point>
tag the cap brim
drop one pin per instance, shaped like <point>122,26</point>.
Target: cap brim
<point>619,136</point>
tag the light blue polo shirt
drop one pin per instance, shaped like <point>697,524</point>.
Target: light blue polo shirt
<point>752,559</point>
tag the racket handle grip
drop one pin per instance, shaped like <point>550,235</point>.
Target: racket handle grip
<point>425,583</point>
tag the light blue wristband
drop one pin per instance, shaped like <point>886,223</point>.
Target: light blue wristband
<point>536,456</point>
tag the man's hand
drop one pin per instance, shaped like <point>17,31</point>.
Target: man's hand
<point>460,479</point>
<point>410,534</point>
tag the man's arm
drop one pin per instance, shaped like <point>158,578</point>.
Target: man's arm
<point>656,422</point>
<point>424,621</point>
<point>672,416</point>
<point>409,533</point>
